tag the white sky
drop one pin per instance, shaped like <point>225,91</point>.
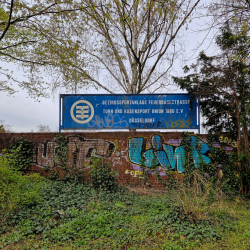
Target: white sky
<point>24,114</point>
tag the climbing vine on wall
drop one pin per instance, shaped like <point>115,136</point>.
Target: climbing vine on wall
<point>193,159</point>
<point>19,154</point>
<point>219,167</point>
<point>102,176</point>
<point>230,176</point>
<point>69,171</point>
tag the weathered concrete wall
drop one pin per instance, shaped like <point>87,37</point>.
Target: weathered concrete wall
<point>127,151</point>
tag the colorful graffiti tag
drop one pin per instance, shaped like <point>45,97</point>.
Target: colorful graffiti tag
<point>132,157</point>
<point>228,141</point>
<point>166,155</point>
<point>79,150</point>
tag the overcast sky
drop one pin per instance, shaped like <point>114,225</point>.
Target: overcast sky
<point>24,114</point>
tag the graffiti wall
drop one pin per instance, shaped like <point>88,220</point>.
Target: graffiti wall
<point>129,153</point>
<point>79,150</point>
<point>156,153</point>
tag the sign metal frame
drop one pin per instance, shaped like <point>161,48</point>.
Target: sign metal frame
<point>61,107</point>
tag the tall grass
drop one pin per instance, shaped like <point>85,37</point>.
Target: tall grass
<point>201,197</point>
<point>17,189</point>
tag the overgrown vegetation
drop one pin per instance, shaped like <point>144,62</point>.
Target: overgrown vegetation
<point>102,177</point>
<point>84,217</point>
<point>17,190</point>
<point>196,211</point>
<point>222,83</point>
<point>66,162</point>
<point>20,154</point>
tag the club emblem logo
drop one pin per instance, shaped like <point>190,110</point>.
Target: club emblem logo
<point>82,111</point>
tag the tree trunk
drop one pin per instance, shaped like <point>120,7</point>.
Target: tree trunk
<point>238,131</point>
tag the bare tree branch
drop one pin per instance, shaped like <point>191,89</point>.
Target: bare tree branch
<point>9,21</point>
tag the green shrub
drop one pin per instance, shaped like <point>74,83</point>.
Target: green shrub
<point>101,175</point>
<point>16,189</point>
<point>19,155</point>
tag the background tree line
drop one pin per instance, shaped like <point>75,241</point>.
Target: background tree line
<point>116,45</point>
<point>222,81</point>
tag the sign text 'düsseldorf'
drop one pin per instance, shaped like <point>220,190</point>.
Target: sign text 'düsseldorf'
<point>129,111</point>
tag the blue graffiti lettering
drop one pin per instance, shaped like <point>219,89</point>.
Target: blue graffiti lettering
<point>167,156</point>
<point>135,148</point>
<point>109,121</point>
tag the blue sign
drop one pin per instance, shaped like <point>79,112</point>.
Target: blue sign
<point>129,111</point>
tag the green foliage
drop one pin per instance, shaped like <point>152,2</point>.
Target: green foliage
<point>77,71</point>
<point>20,154</point>
<point>171,181</point>
<point>15,189</point>
<point>68,166</point>
<point>97,219</point>
<point>222,82</point>
<point>3,126</point>
<point>2,130</point>
<point>21,34</point>
<point>238,171</point>
<point>222,162</point>
<point>145,171</point>
<point>189,166</point>
<point>61,151</point>
<point>200,191</point>
<point>101,174</point>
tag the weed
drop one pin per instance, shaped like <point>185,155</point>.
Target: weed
<point>102,177</point>
<point>17,190</point>
<point>199,199</point>
<point>96,218</point>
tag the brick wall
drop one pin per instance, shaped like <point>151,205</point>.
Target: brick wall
<point>127,151</point>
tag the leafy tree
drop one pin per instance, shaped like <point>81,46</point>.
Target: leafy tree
<point>126,46</point>
<point>4,127</point>
<point>223,84</point>
<point>20,29</point>
<point>215,14</point>
<point>234,12</point>
<point>231,10</point>
<point>43,128</point>
<point>2,130</point>
<point>130,43</point>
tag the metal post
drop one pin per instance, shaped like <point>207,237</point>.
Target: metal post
<point>59,113</point>
<point>199,121</point>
